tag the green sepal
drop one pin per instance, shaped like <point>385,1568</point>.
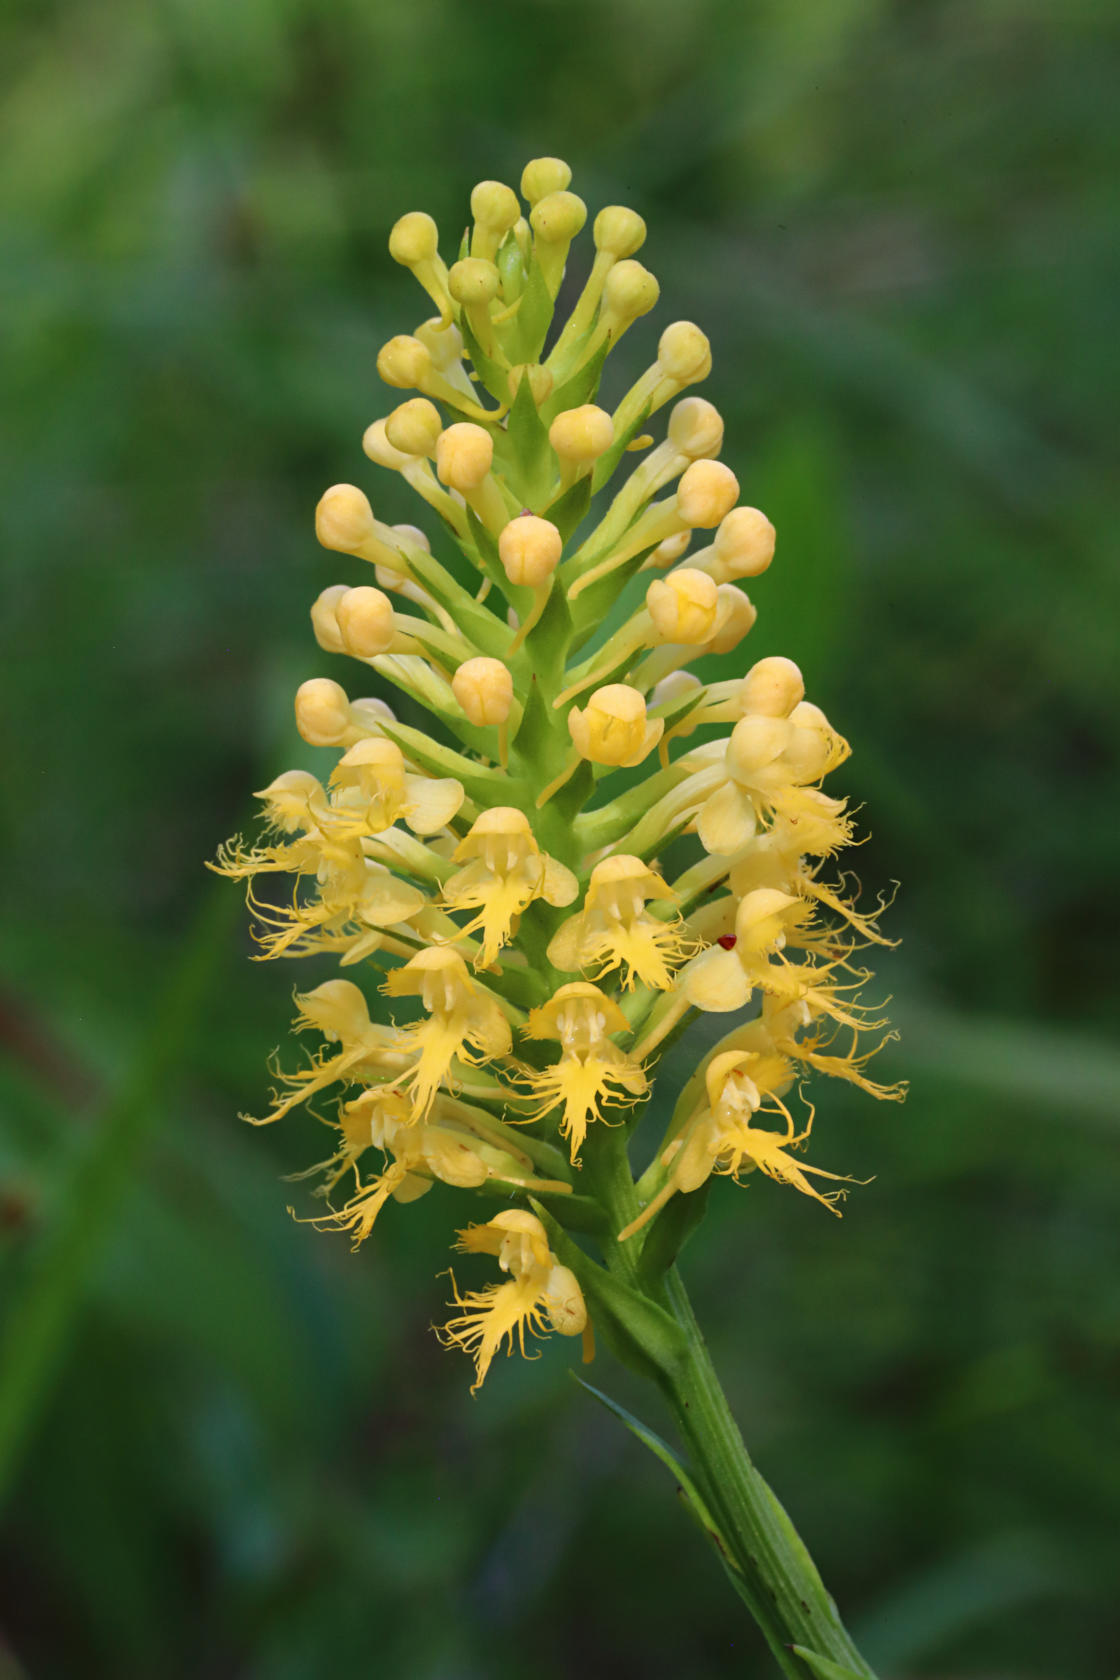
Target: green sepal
<point>547,642</point>
<point>580,388</point>
<point>534,317</point>
<point>592,606</point>
<point>534,742</point>
<point>488,787</point>
<point>527,449</point>
<point>606,464</point>
<point>669,1231</point>
<point>476,622</point>
<point>571,508</point>
<point>511,267</point>
<point>492,374</point>
<point>823,1667</point>
<point>465,244</point>
<point>486,553</point>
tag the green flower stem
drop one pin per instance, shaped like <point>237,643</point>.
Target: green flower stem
<point>783,1586</point>
<point>768,1560</point>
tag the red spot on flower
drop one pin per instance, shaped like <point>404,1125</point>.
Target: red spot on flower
<point>727,941</point>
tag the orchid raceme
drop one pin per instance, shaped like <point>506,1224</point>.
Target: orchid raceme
<point>589,843</point>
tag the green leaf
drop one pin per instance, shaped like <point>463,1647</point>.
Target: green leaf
<point>567,513</point>
<point>580,388</point>
<point>493,374</point>
<point>534,317</point>
<point>527,448</point>
<point>661,1450</point>
<point>823,1667</point>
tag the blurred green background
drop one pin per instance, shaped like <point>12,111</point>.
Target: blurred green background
<point>230,1448</point>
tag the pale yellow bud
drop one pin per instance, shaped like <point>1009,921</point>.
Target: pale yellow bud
<point>474,281</point>
<point>442,340</point>
<point>630,290</point>
<point>464,453</point>
<point>529,549</point>
<point>413,534</point>
<point>414,427</point>
<point>558,217</point>
<point>365,621</point>
<point>495,207</point>
<point>667,553</point>
<point>674,687</point>
<point>581,434</point>
<point>484,689</point>
<point>613,728</point>
<point>564,1302</point>
<point>322,712</point>
<point>323,620</point>
<point>404,362</point>
<point>706,493</point>
<point>684,606</point>
<point>618,231</point>
<point>756,741</point>
<point>414,239</point>
<point>344,518</point>
<point>737,615</point>
<point>376,445</point>
<point>684,353</point>
<point>772,688</point>
<point>744,544</point>
<point>369,714</point>
<point>540,380</point>
<point>696,428</point>
<point>542,176</point>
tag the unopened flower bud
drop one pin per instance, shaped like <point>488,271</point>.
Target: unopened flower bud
<point>696,428</point>
<point>540,380</point>
<point>630,291</point>
<point>344,518</point>
<point>684,353</point>
<point>684,606</point>
<point>618,231</point>
<point>414,427</point>
<point>772,688</point>
<point>365,621</point>
<point>542,176</point>
<point>581,434</point>
<point>667,553</point>
<point>322,712</point>
<point>484,689</point>
<point>413,534</point>
<point>613,727</point>
<point>324,622</point>
<point>495,207</point>
<point>464,453</point>
<point>414,239</point>
<point>756,741</point>
<point>442,340</point>
<point>529,549</point>
<point>474,280</point>
<point>744,544</point>
<point>737,615</point>
<point>674,687</point>
<point>557,218</point>
<point>404,362</point>
<point>706,493</point>
<point>376,445</point>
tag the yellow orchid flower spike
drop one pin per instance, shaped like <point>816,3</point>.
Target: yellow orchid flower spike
<point>579,837</point>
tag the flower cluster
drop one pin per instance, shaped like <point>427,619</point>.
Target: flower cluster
<point>592,845</point>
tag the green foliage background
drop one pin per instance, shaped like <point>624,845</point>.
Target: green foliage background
<point>229,1447</point>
